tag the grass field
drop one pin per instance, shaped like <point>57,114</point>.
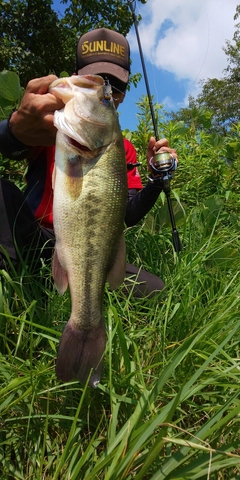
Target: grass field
<point>168,405</point>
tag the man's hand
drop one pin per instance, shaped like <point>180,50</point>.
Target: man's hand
<point>159,146</point>
<point>32,123</point>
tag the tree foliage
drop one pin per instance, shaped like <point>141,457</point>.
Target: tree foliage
<point>208,170</point>
<point>36,42</point>
<point>84,15</point>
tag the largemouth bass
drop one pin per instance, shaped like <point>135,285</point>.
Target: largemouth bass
<point>90,194</point>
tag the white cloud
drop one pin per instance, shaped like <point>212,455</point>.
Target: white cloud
<point>185,37</point>
<point>168,103</point>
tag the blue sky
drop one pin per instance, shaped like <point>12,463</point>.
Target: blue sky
<point>182,44</point>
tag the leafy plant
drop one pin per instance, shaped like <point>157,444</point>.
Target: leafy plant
<point>11,93</point>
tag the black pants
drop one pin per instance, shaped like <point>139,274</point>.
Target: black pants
<point>22,237</point>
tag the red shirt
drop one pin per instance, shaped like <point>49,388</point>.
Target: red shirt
<point>39,191</point>
<point>134,179</point>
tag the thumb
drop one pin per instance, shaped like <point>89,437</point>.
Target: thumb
<point>150,149</point>
<point>151,144</point>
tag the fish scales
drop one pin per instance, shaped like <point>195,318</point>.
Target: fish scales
<point>90,192</point>
<point>88,255</point>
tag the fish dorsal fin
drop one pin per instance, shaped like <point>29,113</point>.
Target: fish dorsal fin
<point>59,274</point>
<point>117,273</point>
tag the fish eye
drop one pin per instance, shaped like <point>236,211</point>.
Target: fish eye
<point>107,102</point>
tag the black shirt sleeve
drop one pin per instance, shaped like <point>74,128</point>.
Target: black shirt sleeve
<point>140,203</point>
<point>10,147</point>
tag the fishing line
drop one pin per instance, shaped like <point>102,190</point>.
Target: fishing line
<point>162,163</point>
<point>205,56</point>
<point>151,61</point>
<point>144,69</point>
<point>193,82</point>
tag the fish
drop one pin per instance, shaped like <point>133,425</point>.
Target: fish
<point>89,205</point>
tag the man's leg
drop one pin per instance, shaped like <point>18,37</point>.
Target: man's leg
<point>20,234</point>
<point>141,282</point>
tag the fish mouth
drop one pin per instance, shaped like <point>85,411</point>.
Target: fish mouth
<point>84,149</point>
<point>78,145</point>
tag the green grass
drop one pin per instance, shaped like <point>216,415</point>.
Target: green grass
<point>168,406</point>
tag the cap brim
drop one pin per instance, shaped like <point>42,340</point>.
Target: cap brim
<point>106,67</point>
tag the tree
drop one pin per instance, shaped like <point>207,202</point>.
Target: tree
<point>233,51</point>
<point>35,42</point>
<point>87,14</point>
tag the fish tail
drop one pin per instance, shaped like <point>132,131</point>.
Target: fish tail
<point>81,351</point>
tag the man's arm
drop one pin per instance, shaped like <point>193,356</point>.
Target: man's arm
<point>140,202</point>
<point>10,147</point>
<point>31,124</point>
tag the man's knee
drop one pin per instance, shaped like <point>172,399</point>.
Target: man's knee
<point>142,283</point>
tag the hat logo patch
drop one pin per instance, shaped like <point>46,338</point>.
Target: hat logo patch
<point>102,46</point>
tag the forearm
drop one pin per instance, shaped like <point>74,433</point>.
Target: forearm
<point>10,147</point>
<point>139,204</point>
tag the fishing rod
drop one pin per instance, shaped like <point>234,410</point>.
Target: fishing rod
<point>162,164</point>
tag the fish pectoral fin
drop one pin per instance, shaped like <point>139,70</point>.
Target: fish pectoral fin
<point>117,273</point>
<point>59,274</point>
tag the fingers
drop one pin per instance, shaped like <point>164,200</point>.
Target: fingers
<point>155,146</point>
<point>161,145</point>
<point>151,143</point>
<point>32,124</point>
<point>46,103</point>
<point>40,85</point>
<point>39,97</point>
